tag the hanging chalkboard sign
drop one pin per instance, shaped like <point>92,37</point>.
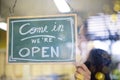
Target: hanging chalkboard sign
<point>42,39</point>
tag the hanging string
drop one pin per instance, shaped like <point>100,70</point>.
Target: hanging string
<point>11,10</point>
<point>0,8</point>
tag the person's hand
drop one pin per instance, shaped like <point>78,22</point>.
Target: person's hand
<point>82,73</point>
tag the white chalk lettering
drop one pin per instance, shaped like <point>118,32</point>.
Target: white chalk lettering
<point>35,50</point>
<point>44,52</point>
<point>49,39</point>
<point>24,52</point>
<point>58,28</point>
<point>20,30</point>
<point>33,29</point>
<point>55,52</point>
<point>35,40</point>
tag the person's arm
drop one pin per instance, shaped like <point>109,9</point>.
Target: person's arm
<point>82,73</point>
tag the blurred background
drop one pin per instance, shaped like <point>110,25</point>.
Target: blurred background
<point>98,26</point>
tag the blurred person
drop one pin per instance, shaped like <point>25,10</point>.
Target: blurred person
<point>82,73</point>
<point>96,67</point>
